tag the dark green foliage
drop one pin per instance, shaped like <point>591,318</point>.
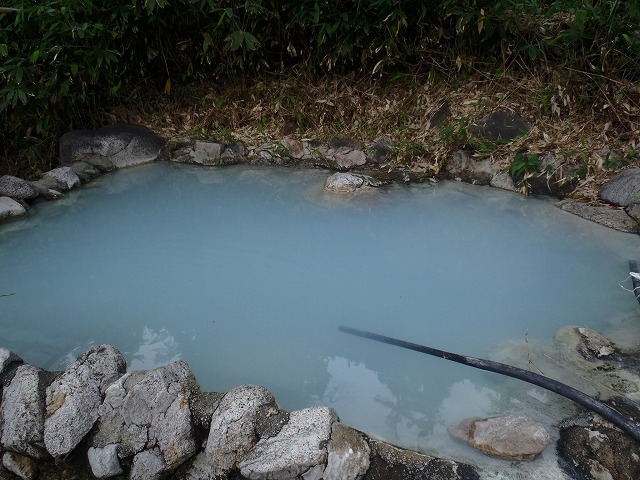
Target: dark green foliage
<point>523,167</point>
<point>61,59</point>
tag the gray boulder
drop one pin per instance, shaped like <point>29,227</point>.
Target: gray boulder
<point>120,145</point>
<point>85,171</point>
<point>512,437</point>
<point>104,461</point>
<point>10,208</point>
<point>393,463</point>
<point>502,125</point>
<point>233,425</point>
<point>208,152</point>
<point>17,188</point>
<point>347,159</point>
<point>300,448</point>
<point>470,170</point>
<point>148,465</point>
<point>623,189</point>
<point>149,409</point>
<point>609,217</point>
<point>503,181</point>
<point>343,182</point>
<point>61,178</point>
<point>22,413</point>
<point>348,454</point>
<point>7,357</point>
<point>73,398</point>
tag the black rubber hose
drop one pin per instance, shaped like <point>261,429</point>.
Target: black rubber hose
<point>581,398</point>
<point>633,268</point>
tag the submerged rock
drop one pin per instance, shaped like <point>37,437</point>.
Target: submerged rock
<point>590,448</point>
<point>512,437</point>
<point>349,182</point>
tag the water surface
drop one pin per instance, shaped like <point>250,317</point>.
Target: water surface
<point>246,273</point>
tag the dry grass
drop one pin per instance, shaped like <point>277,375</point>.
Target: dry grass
<point>575,115</point>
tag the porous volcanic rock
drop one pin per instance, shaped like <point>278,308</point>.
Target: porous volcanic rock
<point>348,457</point>
<point>233,425</point>
<point>147,412</point>
<point>22,413</point>
<point>61,178</point>
<point>392,463</point>
<point>591,448</point>
<point>17,188</point>
<point>300,448</point>
<point>73,399</point>
<point>512,437</point>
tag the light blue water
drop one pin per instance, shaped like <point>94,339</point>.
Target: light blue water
<point>246,273</point>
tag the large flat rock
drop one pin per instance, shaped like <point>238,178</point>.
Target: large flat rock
<point>119,145</point>
<point>623,189</point>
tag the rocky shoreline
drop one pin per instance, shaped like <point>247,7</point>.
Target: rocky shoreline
<point>86,154</point>
<point>96,420</point>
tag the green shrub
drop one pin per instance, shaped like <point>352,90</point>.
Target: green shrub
<point>61,61</point>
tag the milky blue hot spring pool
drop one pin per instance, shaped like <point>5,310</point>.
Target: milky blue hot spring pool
<point>246,273</point>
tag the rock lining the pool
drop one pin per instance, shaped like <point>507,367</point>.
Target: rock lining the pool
<point>96,419</point>
<point>85,154</point>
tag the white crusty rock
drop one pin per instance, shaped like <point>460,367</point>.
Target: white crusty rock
<point>512,437</point>
<point>348,457</point>
<point>22,413</point>
<point>148,465</point>
<point>104,461</point>
<point>147,409</point>
<point>349,182</point>
<point>17,188</point>
<point>299,448</point>
<point>10,208</point>
<point>73,398</point>
<point>233,425</point>
<point>64,177</point>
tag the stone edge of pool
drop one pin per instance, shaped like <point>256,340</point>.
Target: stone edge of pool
<point>85,154</point>
<point>94,417</point>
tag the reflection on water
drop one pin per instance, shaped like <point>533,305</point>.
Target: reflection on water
<point>155,349</point>
<point>246,274</point>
